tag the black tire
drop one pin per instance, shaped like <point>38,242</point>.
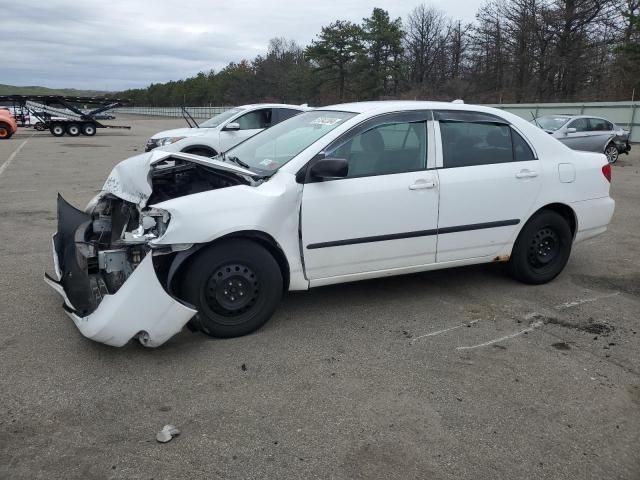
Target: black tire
<point>235,285</point>
<point>57,129</point>
<point>5,131</point>
<point>73,130</point>
<point>542,248</point>
<point>88,129</point>
<point>612,153</point>
<point>40,126</point>
<point>203,152</point>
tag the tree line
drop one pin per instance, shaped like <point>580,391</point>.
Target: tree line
<point>515,51</point>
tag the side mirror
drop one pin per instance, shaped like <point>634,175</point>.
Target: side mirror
<point>571,130</point>
<point>232,126</point>
<point>329,168</point>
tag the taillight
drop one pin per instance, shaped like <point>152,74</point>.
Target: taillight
<point>606,171</point>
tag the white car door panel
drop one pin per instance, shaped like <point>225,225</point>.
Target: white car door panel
<point>382,217</point>
<point>485,195</point>
<point>370,223</point>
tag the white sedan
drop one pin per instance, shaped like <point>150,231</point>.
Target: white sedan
<point>342,193</point>
<point>225,130</point>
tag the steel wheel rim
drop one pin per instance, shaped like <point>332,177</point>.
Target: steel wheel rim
<point>58,130</point>
<point>4,133</point>
<point>74,130</point>
<point>612,154</point>
<point>230,291</point>
<point>544,248</point>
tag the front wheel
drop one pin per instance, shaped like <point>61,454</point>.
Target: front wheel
<point>235,285</point>
<point>542,249</point>
<point>611,152</point>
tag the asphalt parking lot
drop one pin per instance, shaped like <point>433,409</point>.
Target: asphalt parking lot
<point>457,374</point>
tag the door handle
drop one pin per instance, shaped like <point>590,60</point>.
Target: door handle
<point>422,185</point>
<point>526,174</point>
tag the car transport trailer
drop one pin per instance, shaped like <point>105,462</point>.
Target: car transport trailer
<point>65,115</point>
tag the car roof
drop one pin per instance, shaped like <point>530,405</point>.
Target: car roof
<point>388,106</point>
<point>252,106</point>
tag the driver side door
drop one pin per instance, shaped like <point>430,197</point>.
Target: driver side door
<point>384,214</point>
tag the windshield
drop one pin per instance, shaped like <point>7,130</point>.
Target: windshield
<point>551,122</point>
<point>271,149</point>
<point>221,117</point>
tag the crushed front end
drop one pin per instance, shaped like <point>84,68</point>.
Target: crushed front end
<point>106,273</point>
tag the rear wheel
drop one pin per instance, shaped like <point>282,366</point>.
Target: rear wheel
<point>88,129</point>
<point>611,153</point>
<point>235,285</point>
<point>5,131</point>
<point>73,129</point>
<point>542,248</point>
<point>57,129</point>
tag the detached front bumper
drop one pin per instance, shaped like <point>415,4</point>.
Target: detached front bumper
<point>140,308</point>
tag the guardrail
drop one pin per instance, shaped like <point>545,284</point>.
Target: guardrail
<point>196,112</point>
<point>624,114</point>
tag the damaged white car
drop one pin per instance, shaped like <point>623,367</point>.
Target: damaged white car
<point>333,195</point>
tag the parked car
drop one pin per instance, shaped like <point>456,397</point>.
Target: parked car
<point>338,194</point>
<point>8,125</point>
<point>223,131</point>
<point>591,134</point>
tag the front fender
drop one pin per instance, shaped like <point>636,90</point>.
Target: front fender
<point>272,208</point>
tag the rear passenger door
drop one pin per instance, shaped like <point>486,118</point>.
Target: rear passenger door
<point>489,180</point>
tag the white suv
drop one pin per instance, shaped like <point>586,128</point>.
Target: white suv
<point>333,195</point>
<point>223,131</point>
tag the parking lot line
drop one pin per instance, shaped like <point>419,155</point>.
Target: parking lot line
<point>4,166</point>
<point>438,332</point>
<point>533,326</point>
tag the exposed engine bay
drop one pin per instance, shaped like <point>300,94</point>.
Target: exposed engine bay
<point>99,249</point>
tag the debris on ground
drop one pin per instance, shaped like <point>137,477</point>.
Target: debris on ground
<point>167,433</point>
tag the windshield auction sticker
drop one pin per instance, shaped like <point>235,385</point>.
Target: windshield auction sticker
<point>326,121</point>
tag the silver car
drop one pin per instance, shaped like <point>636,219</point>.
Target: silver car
<point>592,134</point>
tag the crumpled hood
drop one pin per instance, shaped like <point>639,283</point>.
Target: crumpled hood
<point>130,179</point>
<point>181,132</point>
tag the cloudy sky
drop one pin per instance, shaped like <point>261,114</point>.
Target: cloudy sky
<point>119,44</point>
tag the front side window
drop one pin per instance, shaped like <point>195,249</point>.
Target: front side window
<point>221,117</point>
<point>468,144</point>
<point>580,124</point>
<point>255,120</point>
<point>269,150</point>
<point>384,149</point>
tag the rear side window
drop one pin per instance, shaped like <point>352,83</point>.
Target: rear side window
<point>467,144</point>
<point>599,124</point>
<point>281,114</point>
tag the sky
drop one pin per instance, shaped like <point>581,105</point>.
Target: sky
<point>120,44</point>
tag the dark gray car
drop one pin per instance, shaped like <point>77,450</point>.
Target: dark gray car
<point>582,132</point>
